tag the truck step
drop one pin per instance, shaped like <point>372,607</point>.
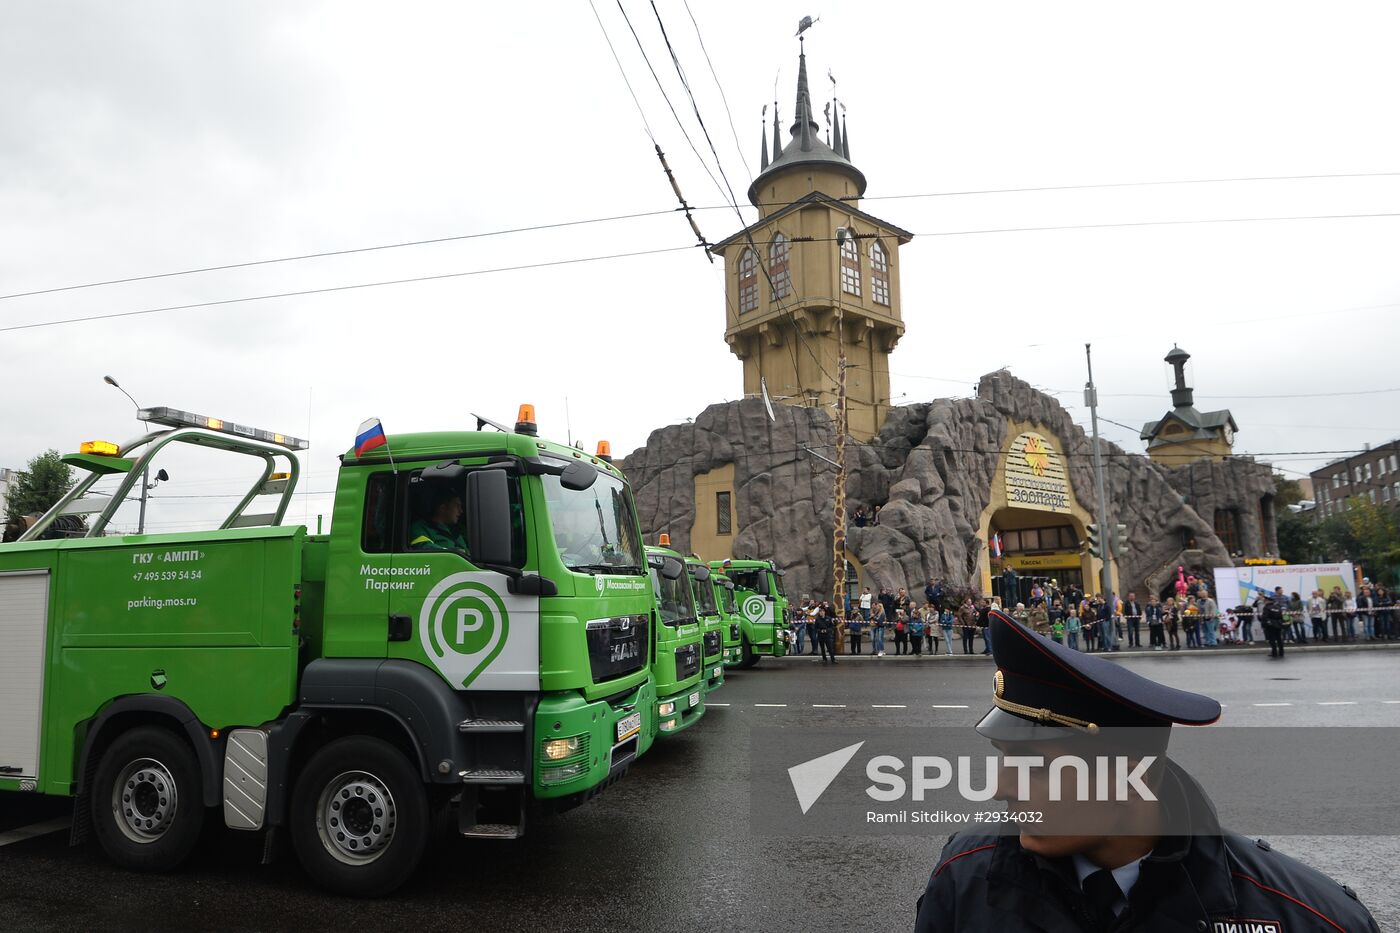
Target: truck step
<point>490,725</point>
<point>492,776</point>
<point>494,831</point>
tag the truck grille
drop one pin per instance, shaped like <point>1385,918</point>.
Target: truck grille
<point>687,661</point>
<point>734,631</point>
<point>617,646</point>
<point>713,643</point>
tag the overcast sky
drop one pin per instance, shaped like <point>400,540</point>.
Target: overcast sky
<point>141,138</point>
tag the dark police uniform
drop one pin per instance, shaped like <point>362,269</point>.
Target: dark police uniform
<point>1210,880</point>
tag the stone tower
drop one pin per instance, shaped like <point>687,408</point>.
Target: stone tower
<point>786,274</point>
<point>1185,435</point>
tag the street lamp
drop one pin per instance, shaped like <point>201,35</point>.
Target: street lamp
<point>146,484</point>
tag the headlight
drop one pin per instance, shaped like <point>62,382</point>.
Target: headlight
<point>564,773</point>
<point>558,749</point>
<point>666,709</point>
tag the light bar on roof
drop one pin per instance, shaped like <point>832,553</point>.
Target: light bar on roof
<point>175,418</point>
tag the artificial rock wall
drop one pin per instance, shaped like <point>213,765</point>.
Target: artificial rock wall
<point>932,470</point>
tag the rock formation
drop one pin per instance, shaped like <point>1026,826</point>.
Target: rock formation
<point>931,469</point>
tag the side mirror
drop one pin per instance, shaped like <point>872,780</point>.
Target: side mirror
<point>489,531</point>
<point>447,471</point>
<point>162,476</point>
<point>672,569</point>
<point>701,573</point>
<point>578,476</point>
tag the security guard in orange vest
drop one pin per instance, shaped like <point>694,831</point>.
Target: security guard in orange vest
<point>1175,870</point>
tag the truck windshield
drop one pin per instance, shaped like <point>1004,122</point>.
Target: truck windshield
<point>755,581</point>
<point>673,598</point>
<point>731,605</point>
<point>777,579</point>
<point>595,529</point>
<point>705,597</point>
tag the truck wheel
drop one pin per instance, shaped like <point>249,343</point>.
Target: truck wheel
<point>147,800</point>
<point>747,658</point>
<point>359,817</point>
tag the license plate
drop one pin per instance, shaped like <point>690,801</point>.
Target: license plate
<point>695,699</point>
<point>629,726</point>
<point>716,673</point>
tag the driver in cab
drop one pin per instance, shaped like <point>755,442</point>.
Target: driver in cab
<point>440,528</point>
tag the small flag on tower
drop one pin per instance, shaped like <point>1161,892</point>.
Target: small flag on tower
<point>996,545</point>
<point>370,436</point>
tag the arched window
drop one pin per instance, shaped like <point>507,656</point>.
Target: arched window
<point>778,269</point>
<point>748,281</point>
<point>879,274</point>
<point>850,267</point>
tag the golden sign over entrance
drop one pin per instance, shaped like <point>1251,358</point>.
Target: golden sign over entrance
<point>1035,475</point>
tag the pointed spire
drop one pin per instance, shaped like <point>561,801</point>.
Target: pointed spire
<point>777,143</point>
<point>763,144</point>
<point>845,146</point>
<point>806,123</point>
<point>836,132</point>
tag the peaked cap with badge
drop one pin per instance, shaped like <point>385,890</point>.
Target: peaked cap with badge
<point>1041,689</point>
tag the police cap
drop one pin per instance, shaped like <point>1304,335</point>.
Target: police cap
<point>1044,690</point>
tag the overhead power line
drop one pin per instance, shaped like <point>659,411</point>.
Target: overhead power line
<point>339,288</point>
<point>323,254</point>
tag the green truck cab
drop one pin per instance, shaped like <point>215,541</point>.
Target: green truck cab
<point>472,635</point>
<point>764,614</point>
<point>676,665</point>
<point>702,580</point>
<point>731,618</point>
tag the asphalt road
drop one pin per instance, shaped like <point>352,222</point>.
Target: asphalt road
<point>671,847</point>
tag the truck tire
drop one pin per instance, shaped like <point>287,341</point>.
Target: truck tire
<point>147,800</point>
<point>360,817</point>
<point>747,658</point>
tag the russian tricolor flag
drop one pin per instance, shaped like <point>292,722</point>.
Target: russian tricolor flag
<point>370,436</point>
<point>996,545</point>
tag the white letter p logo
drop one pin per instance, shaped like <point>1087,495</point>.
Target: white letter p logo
<point>468,620</point>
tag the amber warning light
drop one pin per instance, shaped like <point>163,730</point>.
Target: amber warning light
<point>101,448</point>
<point>525,420</point>
<point>604,451</point>
<point>664,540</point>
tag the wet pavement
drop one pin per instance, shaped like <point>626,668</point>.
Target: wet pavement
<point>670,847</point>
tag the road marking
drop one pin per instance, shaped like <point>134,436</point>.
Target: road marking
<point>716,704</point>
<point>949,706</point>
<point>32,830</point>
<point>888,706</point>
<point>1390,701</point>
<point>1336,702</point>
<point>1273,704</point>
<point>771,705</point>
<point>828,706</point>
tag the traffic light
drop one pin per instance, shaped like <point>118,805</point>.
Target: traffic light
<point>1120,538</point>
<point>1095,541</point>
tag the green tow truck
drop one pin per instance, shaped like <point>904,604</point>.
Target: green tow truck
<point>730,617</point>
<point>763,609</point>
<point>703,582</point>
<point>676,666</point>
<point>472,635</point>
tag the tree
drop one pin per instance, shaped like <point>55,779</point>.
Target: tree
<point>1286,491</point>
<point>40,486</point>
<point>1365,533</point>
<point>1299,537</point>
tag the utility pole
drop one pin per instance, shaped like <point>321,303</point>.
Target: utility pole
<point>1091,400</point>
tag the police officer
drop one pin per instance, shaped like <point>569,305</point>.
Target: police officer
<point>1092,874</point>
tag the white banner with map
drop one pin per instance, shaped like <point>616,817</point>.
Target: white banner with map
<point>1238,586</point>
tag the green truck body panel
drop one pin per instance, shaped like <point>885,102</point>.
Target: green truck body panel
<point>677,662</point>
<point>712,627</point>
<point>763,607</point>
<point>731,618</point>
<point>224,621</point>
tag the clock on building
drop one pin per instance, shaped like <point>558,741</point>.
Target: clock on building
<point>1229,434</point>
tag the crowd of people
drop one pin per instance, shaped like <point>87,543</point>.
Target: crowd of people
<point>1192,619</point>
